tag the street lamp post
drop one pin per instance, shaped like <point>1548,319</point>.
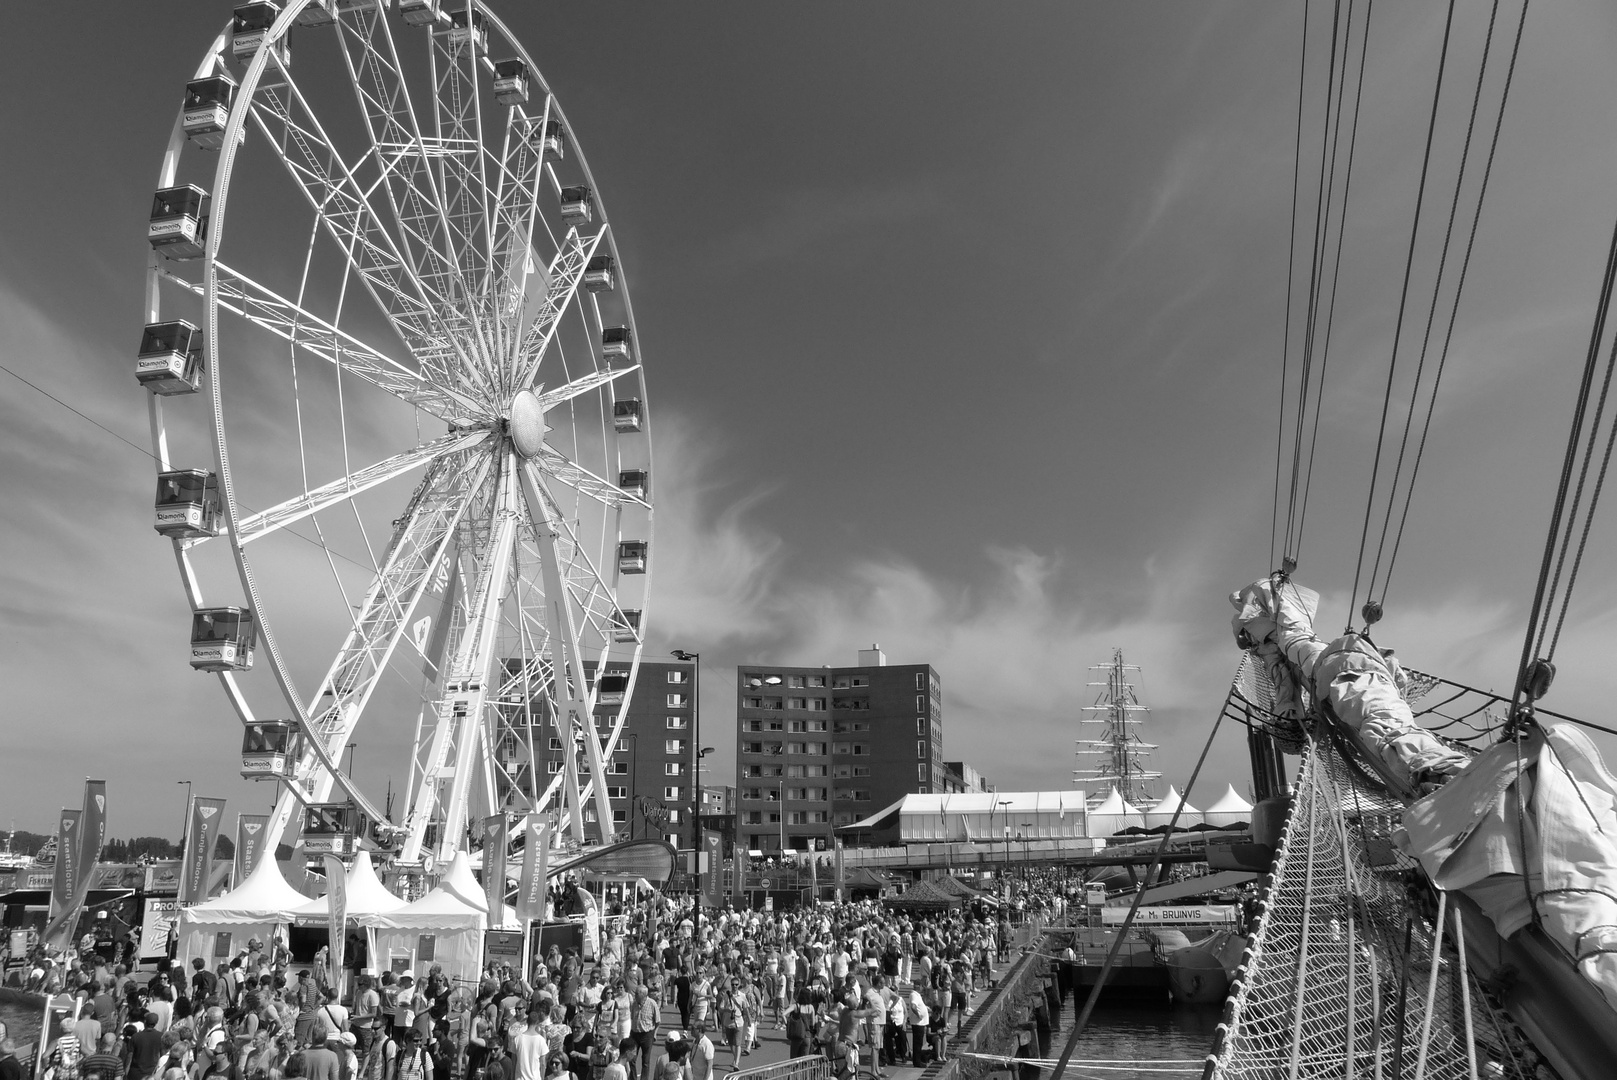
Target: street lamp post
<point>1027,825</point>
<point>634,776</point>
<point>780,800</point>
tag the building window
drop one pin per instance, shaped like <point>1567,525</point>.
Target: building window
<point>815,749</point>
<point>920,680</point>
<point>673,768</point>
<point>752,703</point>
<point>617,793</point>
<point>677,701</point>
<point>861,680</point>
<point>796,748</point>
<point>815,770</point>
<point>816,794</point>
<point>816,704</point>
<point>673,816</point>
<point>842,748</point>
<point>555,743</point>
<point>620,817</point>
<point>752,725</point>
<point>676,723</point>
<point>679,676</point>
<point>776,725</point>
<point>553,767</point>
<point>589,813</point>
<point>770,703</point>
<point>794,771</point>
<point>819,817</point>
<point>672,839</point>
<point>920,703</point>
<point>816,680</point>
<point>752,748</point>
<point>840,683</point>
<point>920,749</point>
<point>859,749</point>
<point>619,768</point>
<point>673,793</point>
<point>850,703</point>
<point>920,725</point>
<point>797,726</point>
<point>844,819</point>
<point>752,793</point>
<point>861,770</point>
<point>794,682</point>
<point>796,794</point>
<point>673,746</point>
<point>797,703</point>
<point>920,772</point>
<point>861,795</point>
<point>842,772</point>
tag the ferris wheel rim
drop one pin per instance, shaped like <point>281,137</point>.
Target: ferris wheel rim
<point>220,194</point>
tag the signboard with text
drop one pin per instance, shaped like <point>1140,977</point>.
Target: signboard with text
<point>1170,916</point>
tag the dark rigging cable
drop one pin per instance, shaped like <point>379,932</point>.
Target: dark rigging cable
<point>1291,259</point>
<point>1431,313</point>
<point>1465,265</point>
<point>1579,409</point>
<point>1403,300</point>
<point>1336,270</point>
<point>1321,222</point>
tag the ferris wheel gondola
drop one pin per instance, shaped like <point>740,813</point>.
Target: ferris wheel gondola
<point>415,487</point>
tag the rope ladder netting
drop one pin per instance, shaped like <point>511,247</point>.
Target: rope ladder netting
<point>1339,977</point>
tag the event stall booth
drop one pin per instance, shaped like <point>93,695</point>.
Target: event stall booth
<point>440,928</point>
<point>218,929</point>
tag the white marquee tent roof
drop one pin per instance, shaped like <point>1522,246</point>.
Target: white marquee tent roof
<point>1114,803</point>
<point>1230,803</point>
<point>366,893</point>
<point>263,897</point>
<point>1170,803</point>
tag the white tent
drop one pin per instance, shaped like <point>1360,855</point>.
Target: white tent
<point>220,928</point>
<point>366,895</point>
<point>1113,814</point>
<point>460,883</point>
<point>440,928</point>
<point>1230,809</point>
<point>1162,813</point>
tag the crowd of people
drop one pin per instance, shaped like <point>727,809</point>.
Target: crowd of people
<point>866,984</point>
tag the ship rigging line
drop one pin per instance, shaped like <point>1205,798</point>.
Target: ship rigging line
<point>1336,271</point>
<point>1437,286</point>
<point>1327,145</point>
<point>1403,300</point>
<point>1545,593</point>
<point>1291,259</point>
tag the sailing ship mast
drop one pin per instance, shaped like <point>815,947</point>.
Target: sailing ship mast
<point>1117,757</point>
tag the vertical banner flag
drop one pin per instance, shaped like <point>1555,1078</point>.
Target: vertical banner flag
<point>840,878</point>
<point>250,830</point>
<point>66,880</point>
<point>337,904</point>
<point>495,835</point>
<point>814,876</point>
<point>92,831</point>
<point>206,817</point>
<point>712,884</point>
<point>535,869</point>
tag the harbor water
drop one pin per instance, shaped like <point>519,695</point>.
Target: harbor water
<point>1139,1042</point>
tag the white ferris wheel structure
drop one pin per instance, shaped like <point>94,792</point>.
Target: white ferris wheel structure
<point>400,422</point>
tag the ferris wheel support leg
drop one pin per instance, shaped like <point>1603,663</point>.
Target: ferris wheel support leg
<point>461,721</point>
<point>566,657</point>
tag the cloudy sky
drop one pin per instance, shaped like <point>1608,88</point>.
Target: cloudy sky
<point>963,331</point>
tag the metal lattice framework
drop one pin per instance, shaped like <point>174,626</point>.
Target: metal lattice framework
<point>391,263</point>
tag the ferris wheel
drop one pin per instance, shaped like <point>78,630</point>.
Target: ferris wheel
<point>400,421</point>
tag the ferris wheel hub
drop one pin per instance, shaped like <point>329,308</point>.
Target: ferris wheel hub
<point>527,424</point>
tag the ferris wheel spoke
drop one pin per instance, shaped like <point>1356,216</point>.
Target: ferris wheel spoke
<point>566,657</point>
<point>336,196</point>
<point>458,124</point>
<point>403,156</point>
<point>457,736</point>
<point>519,172</point>
<point>589,588</point>
<point>410,569</point>
<point>265,308</point>
<point>265,522</point>
<point>569,472</point>
<point>566,272</point>
<point>549,399</point>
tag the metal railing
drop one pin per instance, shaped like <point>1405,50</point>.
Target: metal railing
<point>812,1067</point>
